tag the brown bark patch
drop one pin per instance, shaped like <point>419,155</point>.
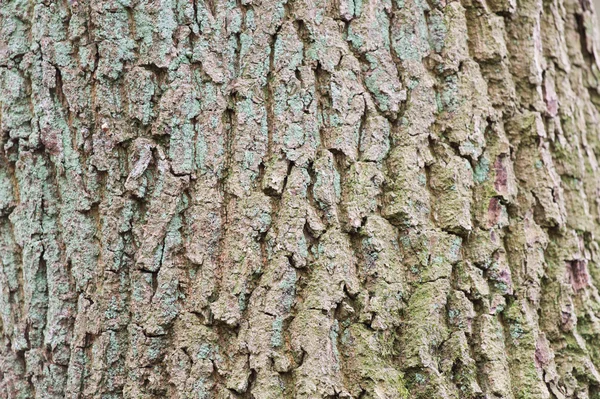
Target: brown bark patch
<point>542,353</point>
<point>500,184</point>
<point>51,141</point>
<point>494,211</point>
<point>578,274</point>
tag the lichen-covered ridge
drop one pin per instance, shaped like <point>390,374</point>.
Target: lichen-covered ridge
<point>299,199</point>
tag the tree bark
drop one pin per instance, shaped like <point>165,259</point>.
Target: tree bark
<point>299,199</point>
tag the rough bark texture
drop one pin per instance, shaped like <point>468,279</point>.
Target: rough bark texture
<point>299,199</point>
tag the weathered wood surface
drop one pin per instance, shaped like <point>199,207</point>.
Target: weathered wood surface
<point>299,199</point>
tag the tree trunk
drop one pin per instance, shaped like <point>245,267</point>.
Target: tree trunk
<point>299,199</point>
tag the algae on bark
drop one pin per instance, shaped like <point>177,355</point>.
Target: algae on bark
<point>299,199</point>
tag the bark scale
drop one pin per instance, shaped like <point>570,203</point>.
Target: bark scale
<point>299,199</point>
